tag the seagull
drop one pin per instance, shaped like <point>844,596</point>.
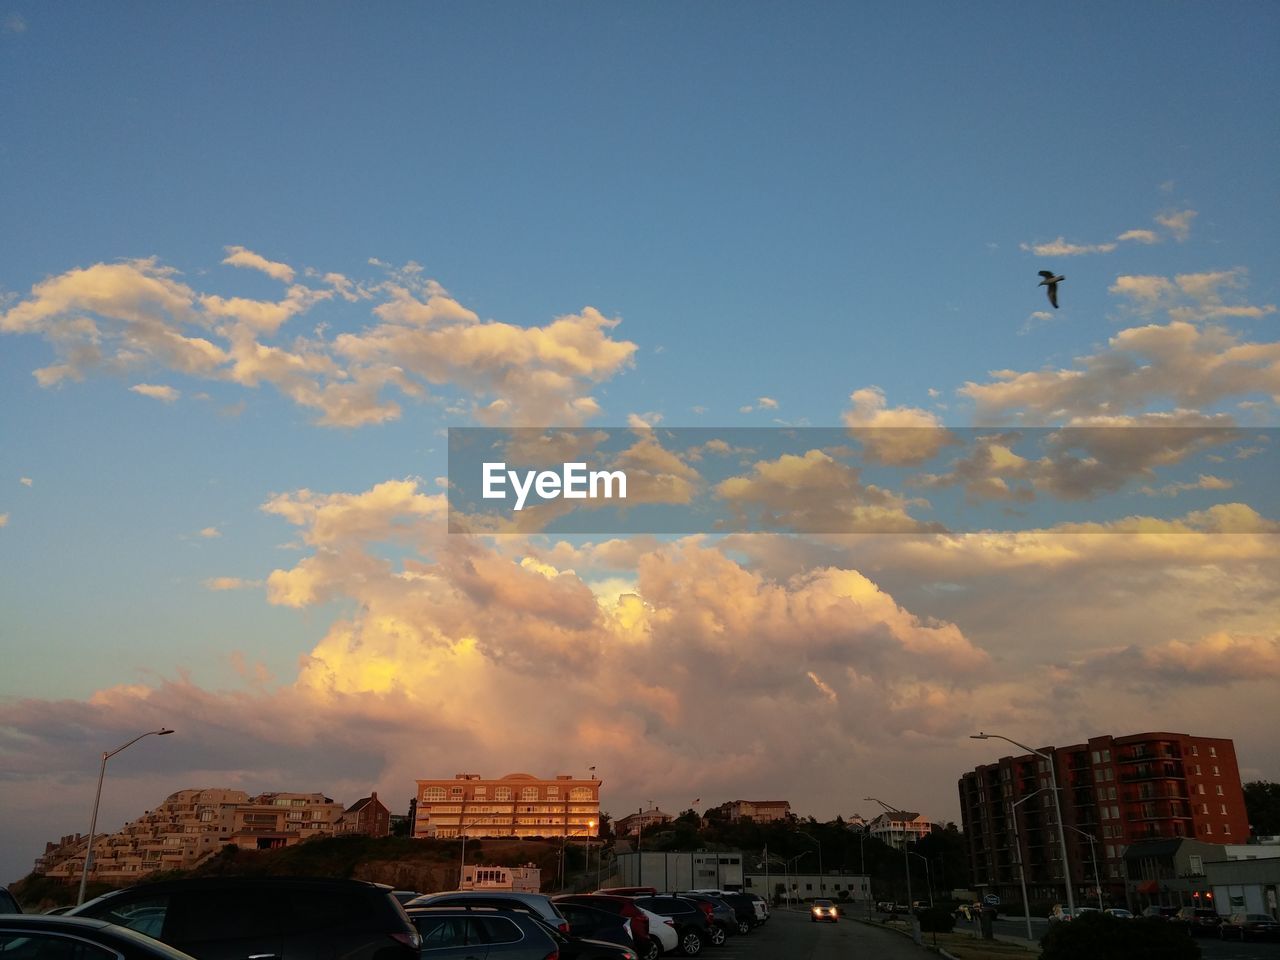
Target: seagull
<point>1051,282</point>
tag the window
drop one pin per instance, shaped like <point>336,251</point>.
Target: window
<point>1213,751</point>
<point>433,794</point>
<point>1204,808</point>
<point>1227,829</point>
<point>1195,751</point>
<point>1218,789</point>
<point>1197,769</point>
<point>53,946</point>
<point>481,792</point>
<point>455,792</point>
<point>1106,756</point>
<point>502,793</point>
<point>580,793</point>
<point>1097,757</point>
<point>553,793</point>
<point>1224,809</point>
<point>1200,789</point>
<point>1197,864</point>
<point>529,793</point>
<point>1217,772</point>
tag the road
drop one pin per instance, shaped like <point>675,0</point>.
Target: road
<point>791,935</point>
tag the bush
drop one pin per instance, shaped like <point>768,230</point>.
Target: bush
<point>1100,937</point>
<point>936,920</point>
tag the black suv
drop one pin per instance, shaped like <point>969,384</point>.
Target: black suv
<point>271,918</point>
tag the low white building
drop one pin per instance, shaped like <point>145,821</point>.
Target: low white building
<point>792,887</point>
<point>673,872</point>
<point>526,879</point>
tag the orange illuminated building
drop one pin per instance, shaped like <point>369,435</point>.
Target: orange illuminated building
<point>517,805</point>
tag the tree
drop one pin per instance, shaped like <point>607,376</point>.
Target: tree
<point>1262,803</point>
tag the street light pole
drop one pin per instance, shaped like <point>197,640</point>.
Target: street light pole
<point>906,863</point>
<point>1057,806</point>
<point>821,881</point>
<point>93,820</point>
<point>1093,855</point>
<point>462,866</point>
<point>928,880</point>
<point>1017,845</point>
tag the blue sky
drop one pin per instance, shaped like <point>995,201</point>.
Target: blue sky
<point>782,208</point>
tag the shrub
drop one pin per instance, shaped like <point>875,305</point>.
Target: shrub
<point>1100,937</point>
<point>936,920</point>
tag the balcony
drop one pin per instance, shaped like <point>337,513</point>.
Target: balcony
<point>1160,770</point>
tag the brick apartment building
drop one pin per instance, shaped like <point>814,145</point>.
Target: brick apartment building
<point>1116,790</point>
<point>517,805</point>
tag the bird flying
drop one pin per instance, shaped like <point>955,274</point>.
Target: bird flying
<point>1051,282</point>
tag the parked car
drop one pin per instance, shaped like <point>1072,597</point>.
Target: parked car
<point>1159,912</point>
<point>38,936</point>
<point>824,910</point>
<point>582,948</point>
<point>539,903</point>
<point>596,924</point>
<point>744,908</point>
<point>404,896</point>
<point>663,937</point>
<point>1120,913</point>
<point>1249,926</point>
<point>629,891</point>
<point>8,902</point>
<point>723,918</point>
<point>1201,922</point>
<point>692,927</point>
<point>762,906</point>
<point>460,931</point>
<point>623,907</point>
<point>289,918</point>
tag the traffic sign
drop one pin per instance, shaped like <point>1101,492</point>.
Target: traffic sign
<point>991,900</point>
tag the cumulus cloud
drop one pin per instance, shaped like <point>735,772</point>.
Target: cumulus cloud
<point>1181,363</point>
<point>241,257</point>
<point>26,481</point>
<point>137,314</point>
<point>4,519</point>
<point>156,391</point>
<point>1177,222</point>
<point>902,436</point>
<point>1139,236</point>
<point>210,533</point>
<point>1218,659</point>
<point>816,493</point>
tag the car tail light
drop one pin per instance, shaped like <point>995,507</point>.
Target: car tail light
<point>413,940</point>
<point>707,909</point>
<point>670,923</point>
<point>563,927</point>
<point>553,955</point>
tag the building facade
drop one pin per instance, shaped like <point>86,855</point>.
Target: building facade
<point>697,870</point>
<point>759,811</point>
<point>368,816</point>
<point>189,826</point>
<point>517,805</point>
<point>635,824</point>
<point>853,888</point>
<point>1114,791</point>
<point>897,828</point>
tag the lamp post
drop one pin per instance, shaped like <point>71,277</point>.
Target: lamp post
<point>591,825</point>
<point>1017,845</point>
<point>1057,806</point>
<point>928,880</point>
<point>821,882</point>
<point>93,820</point>
<point>1093,855</point>
<point>462,866</point>
<point>792,864</point>
<point>906,863</point>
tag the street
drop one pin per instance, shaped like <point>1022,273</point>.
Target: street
<point>791,935</point>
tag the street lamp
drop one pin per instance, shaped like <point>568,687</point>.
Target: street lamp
<point>1057,806</point>
<point>1097,884</point>
<point>591,825</point>
<point>928,880</point>
<point>821,882</point>
<point>1017,844</point>
<point>93,821</point>
<point>462,866</point>
<point>906,863</point>
<point>792,865</point>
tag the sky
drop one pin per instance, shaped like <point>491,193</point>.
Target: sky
<point>258,259</point>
